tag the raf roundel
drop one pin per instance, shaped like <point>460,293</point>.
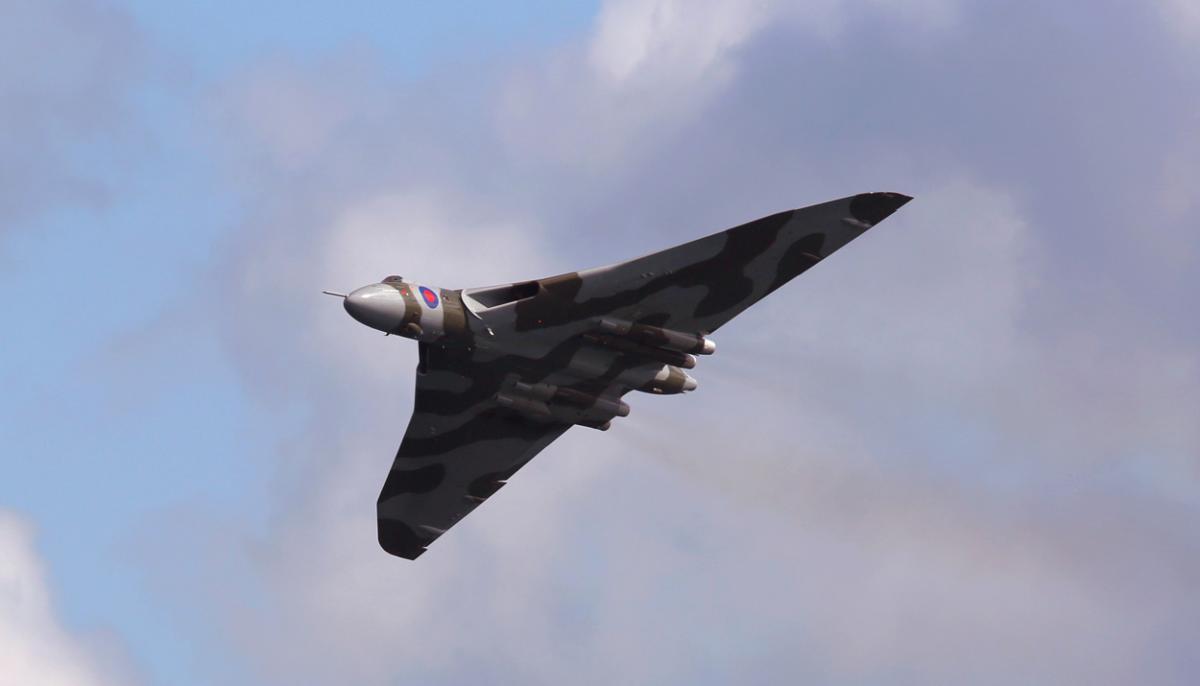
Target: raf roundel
<point>430,298</point>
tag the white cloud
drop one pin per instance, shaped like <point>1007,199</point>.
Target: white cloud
<point>671,40</point>
<point>35,648</point>
<point>658,42</point>
<point>651,66</point>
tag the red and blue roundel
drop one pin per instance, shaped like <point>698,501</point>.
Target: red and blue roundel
<point>430,297</point>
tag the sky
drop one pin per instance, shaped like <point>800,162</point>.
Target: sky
<point>964,450</point>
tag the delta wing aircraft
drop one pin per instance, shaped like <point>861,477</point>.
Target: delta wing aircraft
<point>505,370</point>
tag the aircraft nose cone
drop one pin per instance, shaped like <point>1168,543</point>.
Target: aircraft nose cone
<point>379,306</point>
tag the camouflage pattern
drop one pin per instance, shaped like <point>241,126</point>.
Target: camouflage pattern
<point>505,370</point>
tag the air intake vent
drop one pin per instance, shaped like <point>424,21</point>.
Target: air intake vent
<point>494,296</point>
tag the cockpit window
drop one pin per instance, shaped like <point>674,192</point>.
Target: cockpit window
<point>393,277</point>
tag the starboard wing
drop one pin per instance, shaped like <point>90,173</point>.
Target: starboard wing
<point>699,286</point>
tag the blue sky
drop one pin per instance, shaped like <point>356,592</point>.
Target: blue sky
<point>972,436</point>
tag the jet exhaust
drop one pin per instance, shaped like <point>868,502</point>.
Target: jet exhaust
<point>669,381</point>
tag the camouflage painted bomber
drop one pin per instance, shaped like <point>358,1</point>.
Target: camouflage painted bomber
<point>504,370</point>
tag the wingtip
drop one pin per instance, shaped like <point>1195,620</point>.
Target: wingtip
<point>396,538</point>
<point>873,208</point>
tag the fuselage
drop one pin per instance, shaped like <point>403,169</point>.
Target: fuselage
<point>640,357</point>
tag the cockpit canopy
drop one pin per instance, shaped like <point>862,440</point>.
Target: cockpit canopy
<point>390,279</point>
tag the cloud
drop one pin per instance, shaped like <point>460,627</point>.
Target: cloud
<point>66,68</point>
<point>35,647</point>
<point>670,40</point>
<point>661,41</point>
<point>651,64</point>
<point>1182,16</point>
<point>961,450</point>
